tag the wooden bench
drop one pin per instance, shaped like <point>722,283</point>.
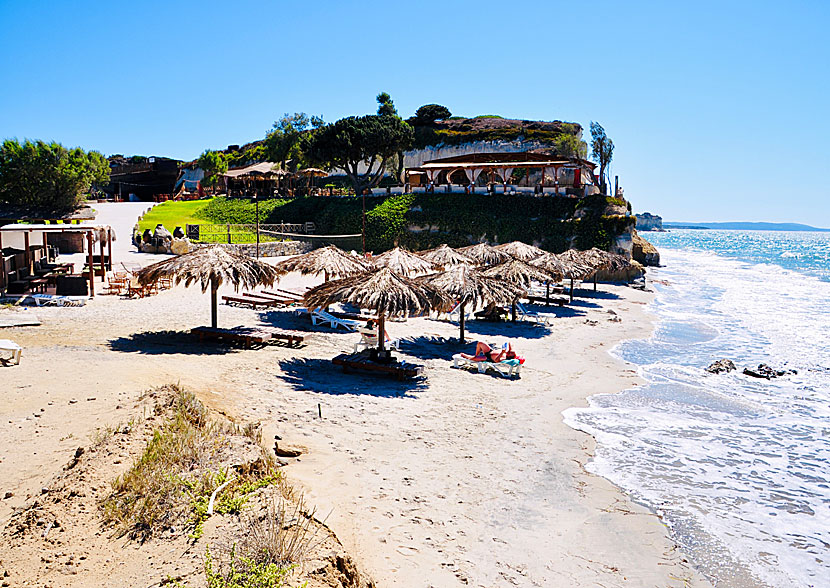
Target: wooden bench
<point>245,335</point>
<point>359,361</point>
<point>291,338</point>
<point>247,301</point>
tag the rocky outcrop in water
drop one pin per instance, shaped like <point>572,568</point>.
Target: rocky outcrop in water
<point>644,252</point>
<point>721,366</point>
<point>765,371</point>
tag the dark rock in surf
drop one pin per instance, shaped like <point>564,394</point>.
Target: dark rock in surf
<point>721,366</point>
<point>765,371</point>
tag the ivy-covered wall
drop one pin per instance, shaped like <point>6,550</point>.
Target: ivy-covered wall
<point>427,220</point>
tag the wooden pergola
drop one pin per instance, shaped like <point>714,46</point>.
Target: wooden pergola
<point>32,233</point>
<point>503,164</point>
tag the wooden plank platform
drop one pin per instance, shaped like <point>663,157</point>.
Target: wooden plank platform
<point>359,361</point>
<point>558,300</point>
<point>252,302</point>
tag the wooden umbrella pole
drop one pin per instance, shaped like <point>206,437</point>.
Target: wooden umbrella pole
<point>595,281</point>
<point>461,321</point>
<point>513,312</point>
<point>90,249</point>
<point>214,287</point>
<point>547,293</point>
<point>381,331</point>
<point>572,289</point>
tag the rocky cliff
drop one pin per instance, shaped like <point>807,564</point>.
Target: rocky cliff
<point>643,251</point>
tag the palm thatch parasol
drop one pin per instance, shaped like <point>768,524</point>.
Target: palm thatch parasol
<point>404,262</point>
<point>605,260</point>
<point>445,256</point>
<point>484,254</point>
<point>330,261</point>
<point>466,286</point>
<point>521,251</point>
<point>578,267</point>
<point>380,290</point>
<point>312,172</point>
<point>552,265</point>
<point>211,266</point>
<point>518,273</point>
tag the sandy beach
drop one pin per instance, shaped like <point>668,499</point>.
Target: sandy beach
<point>456,479</point>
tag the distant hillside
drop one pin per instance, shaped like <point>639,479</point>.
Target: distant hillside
<point>745,226</point>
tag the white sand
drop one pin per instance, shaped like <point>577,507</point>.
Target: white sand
<point>462,479</point>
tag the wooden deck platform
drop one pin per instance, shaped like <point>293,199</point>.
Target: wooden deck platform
<point>360,361</point>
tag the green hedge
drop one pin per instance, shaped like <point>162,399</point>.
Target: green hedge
<point>455,219</point>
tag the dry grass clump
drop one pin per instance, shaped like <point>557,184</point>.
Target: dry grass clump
<point>185,461</point>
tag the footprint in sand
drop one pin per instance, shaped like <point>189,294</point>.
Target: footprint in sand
<point>406,550</point>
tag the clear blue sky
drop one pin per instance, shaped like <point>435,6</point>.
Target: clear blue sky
<point>719,110</point>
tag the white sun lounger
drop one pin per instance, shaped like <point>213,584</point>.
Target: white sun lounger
<point>369,339</point>
<point>506,370</point>
<point>321,316</point>
<point>15,349</point>
<point>541,319</point>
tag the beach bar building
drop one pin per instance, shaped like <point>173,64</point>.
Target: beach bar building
<point>508,173</point>
<point>26,246</point>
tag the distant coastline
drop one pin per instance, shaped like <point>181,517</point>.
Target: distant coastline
<point>746,226</point>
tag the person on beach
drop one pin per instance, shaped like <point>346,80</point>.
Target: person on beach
<point>371,330</point>
<point>486,353</point>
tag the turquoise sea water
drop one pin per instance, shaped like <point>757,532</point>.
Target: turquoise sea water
<point>739,468</point>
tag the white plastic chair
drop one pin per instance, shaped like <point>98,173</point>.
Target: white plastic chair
<point>321,316</point>
<point>542,319</point>
<point>16,350</point>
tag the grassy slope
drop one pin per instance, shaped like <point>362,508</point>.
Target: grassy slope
<point>174,214</point>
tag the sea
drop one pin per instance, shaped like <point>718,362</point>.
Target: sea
<point>737,467</point>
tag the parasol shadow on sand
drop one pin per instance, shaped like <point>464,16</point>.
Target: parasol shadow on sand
<point>211,267</point>
<point>321,376</point>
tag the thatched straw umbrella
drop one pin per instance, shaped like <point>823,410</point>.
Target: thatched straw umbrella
<point>445,256</point>
<point>578,267</point>
<point>310,173</point>
<point>468,286</point>
<point>211,266</point>
<point>383,291</point>
<point>404,262</point>
<point>552,265</point>
<point>605,260</point>
<point>330,261</point>
<point>521,251</point>
<point>484,254</point>
<point>518,273</point>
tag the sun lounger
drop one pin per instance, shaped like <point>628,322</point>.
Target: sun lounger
<point>506,368</point>
<point>321,316</point>
<point>286,299</point>
<point>15,349</point>
<point>359,361</point>
<point>532,315</point>
<point>246,301</point>
<point>246,335</point>
<point>455,314</point>
<point>369,338</point>
<point>291,338</point>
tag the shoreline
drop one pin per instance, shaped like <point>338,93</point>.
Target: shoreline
<point>465,480</point>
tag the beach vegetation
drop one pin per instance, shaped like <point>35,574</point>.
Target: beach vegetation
<point>173,479</point>
<point>49,176</point>
<point>288,138</point>
<point>353,141</point>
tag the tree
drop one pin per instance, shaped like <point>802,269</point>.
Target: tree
<point>285,141</point>
<point>569,146</point>
<point>48,175</point>
<point>362,146</point>
<point>385,105</point>
<point>214,164</point>
<point>429,113</point>
<point>602,149</point>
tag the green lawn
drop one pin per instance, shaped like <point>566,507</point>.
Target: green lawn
<point>174,214</point>
<point>178,214</point>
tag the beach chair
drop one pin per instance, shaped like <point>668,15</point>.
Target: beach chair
<point>532,315</point>
<point>321,316</point>
<point>507,368</point>
<point>15,349</point>
<point>455,314</point>
<point>369,339</point>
